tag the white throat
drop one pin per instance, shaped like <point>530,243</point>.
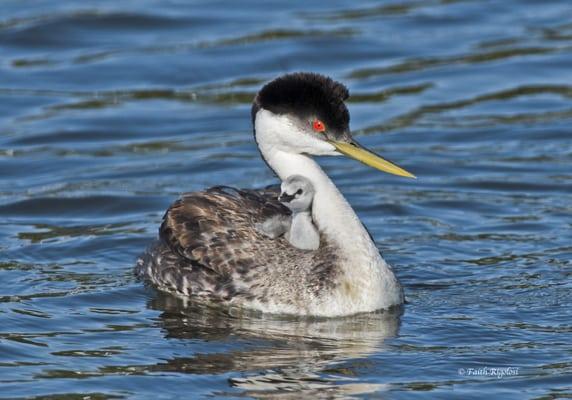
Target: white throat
<point>331,213</point>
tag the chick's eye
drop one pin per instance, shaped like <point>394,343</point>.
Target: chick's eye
<point>318,126</point>
<point>299,191</point>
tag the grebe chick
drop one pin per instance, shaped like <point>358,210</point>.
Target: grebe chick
<point>297,193</point>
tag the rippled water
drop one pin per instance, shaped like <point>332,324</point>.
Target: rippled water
<point>109,110</point>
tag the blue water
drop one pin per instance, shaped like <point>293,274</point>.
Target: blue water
<point>109,110</point>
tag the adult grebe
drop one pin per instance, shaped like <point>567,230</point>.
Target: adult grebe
<point>209,245</point>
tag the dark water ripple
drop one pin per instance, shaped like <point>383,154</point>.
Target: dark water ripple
<point>109,110</point>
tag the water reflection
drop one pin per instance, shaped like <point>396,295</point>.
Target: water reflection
<point>275,353</point>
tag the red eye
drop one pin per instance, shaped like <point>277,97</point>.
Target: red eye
<point>318,126</point>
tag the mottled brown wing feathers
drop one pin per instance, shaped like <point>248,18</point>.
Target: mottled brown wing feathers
<point>216,228</point>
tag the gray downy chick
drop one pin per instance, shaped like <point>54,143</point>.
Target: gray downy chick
<point>298,194</point>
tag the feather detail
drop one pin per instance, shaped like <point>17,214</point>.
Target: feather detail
<point>210,247</point>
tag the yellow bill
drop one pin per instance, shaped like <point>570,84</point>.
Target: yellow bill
<point>357,152</point>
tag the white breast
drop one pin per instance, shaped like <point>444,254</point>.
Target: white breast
<point>303,233</point>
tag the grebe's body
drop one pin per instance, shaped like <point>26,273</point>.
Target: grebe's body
<point>210,246</point>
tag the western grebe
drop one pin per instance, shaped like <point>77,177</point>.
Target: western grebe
<point>209,246</point>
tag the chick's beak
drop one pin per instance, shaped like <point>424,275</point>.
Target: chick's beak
<point>285,197</point>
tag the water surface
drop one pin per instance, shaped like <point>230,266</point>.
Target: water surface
<point>110,110</point>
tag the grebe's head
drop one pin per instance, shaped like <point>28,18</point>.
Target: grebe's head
<point>305,113</point>
<point>297,193</point>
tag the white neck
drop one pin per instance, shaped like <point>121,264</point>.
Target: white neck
<point>332,214</point>
<point>365,269</point>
